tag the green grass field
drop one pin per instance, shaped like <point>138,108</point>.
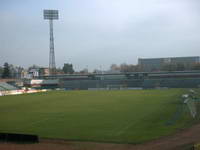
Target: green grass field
<point>132,116</point>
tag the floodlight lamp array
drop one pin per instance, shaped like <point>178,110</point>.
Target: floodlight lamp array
<point>51,15</point>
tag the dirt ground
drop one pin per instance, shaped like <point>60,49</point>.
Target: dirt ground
<point>178,141</point>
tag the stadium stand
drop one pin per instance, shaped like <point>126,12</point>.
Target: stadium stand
<point>173,79</point>
<point>172,83</point>
<point>6,87</point>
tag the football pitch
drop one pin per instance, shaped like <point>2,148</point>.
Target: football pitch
<point>129,116</point>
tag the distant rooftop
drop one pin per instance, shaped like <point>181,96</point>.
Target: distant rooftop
<point>172,57</point>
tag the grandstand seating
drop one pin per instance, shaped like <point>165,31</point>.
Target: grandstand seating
<point>133,83</point>
<point>6,87</point>
<point>177,79</point>
<point>172,83</point>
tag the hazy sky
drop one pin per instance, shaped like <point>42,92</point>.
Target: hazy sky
<point>94,33</point>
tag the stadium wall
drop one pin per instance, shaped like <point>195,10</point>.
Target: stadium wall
<point>132,83</point>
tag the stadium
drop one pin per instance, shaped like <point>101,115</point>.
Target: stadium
<point>130,108</point>
<point>143,80</point>
<point>152,104</point>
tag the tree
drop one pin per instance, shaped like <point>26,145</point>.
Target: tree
<point>129,68</point>
<point>125,68</point>
<point>17,71</point>
<point>59,71</point>
<point>1,71</point>
<point>6,71</point>
<point>33,67</point>
<point>68,68</point>
<point>96,71</point>
<point>114,67</point>
<point>13,71</point>
<point>84,71</point>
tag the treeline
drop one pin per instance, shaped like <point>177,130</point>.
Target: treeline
<point>125,68</point>
<point>10,71</point>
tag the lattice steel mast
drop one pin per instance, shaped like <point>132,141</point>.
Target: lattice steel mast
<point>51,15</point>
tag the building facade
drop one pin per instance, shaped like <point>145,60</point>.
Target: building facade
<point>155,64</point>
<point>44,72</point>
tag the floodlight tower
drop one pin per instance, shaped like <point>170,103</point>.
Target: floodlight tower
<point>51,15</point>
